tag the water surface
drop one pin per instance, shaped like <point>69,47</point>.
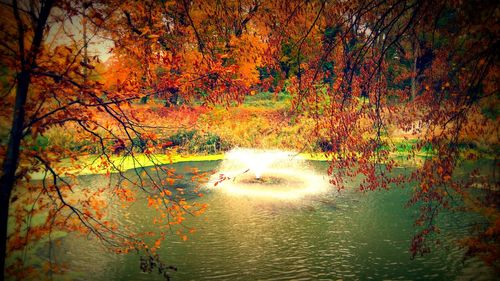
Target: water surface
<point>348,235</point>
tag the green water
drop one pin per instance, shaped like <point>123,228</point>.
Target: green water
<point>350,236</point>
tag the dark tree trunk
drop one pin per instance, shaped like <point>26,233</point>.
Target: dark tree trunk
<point>8,179</point>
<point>11,160</point>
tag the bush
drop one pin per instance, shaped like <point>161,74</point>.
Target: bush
<point>41,143</point>
<point>181,138</point>
<point>209,143</point>
<point>324,145</point>
<point>139,143</point>
<point>193,142</point>
<point>85,146</point>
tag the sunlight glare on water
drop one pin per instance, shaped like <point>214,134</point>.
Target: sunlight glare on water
<point>267,174</point>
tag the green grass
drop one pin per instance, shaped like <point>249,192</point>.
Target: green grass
<point>268,100</point>
<point>92,165</point>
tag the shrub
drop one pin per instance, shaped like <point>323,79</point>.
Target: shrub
<point>41,143</point>
<point>211,143</point>
<point>139,143</point>
<point>325,145</point>
<point>85,146</point>
<point>181,138</point>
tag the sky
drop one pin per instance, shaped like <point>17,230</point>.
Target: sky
<point>70,31</point>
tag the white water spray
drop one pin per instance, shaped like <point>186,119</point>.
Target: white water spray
<point>271,174</point>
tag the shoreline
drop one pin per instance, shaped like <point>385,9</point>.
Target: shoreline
<point>98,165</point>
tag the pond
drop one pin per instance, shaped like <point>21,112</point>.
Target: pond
<point>329,236</point>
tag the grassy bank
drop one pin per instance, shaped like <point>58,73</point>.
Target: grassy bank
<point>93,165</point>
<point>198,133</point>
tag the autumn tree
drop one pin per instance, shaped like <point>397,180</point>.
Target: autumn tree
<point>24,60</point>
<point>51,84</point>
<point>205,50</point>
<point>354,85</point>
